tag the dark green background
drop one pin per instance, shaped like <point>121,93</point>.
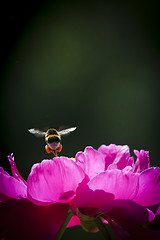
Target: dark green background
<point>94,65</point>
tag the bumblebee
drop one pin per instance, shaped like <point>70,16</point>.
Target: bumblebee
<point>52,138</point>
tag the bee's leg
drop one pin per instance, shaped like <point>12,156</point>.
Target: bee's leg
<point>57,150</point>
<point>48,150</point>
<point>55,153</point>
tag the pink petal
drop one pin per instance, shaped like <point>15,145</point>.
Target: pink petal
<point>74,221</point>
<point>55,180</point>
<point>112,166</point>
<point>21,219</point>
<point>116,154</point>
<point>119,232</point>
<point>139,233</point>
<point>134,233</point>
<point>149,187</point>
<point>127,213</point>
<point>123,185</point>
<point>91,161</point>
<point>11,187</point>
<point>110,153</point>
<point>105,187</point>
<point>88,198</point>
<point>14,169</point>
<point>4,172</point>
<point>142,161</point>
<point>155,209</point>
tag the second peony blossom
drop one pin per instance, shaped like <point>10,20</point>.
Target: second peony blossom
<point>103,184</point>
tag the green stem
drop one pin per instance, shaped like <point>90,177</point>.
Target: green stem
<point>64,225</point>
<point>102,228</point>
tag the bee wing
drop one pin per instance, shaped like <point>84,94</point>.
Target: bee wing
<point>37,132</point>
<point>67,131</point>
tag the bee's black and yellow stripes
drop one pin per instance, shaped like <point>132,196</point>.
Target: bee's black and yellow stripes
<point>53,136</point>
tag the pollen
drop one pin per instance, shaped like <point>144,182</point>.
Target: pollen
<point>47,149</point>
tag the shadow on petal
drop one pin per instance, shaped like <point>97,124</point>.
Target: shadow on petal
<point>139,233</point>
<point>134,232</point>
<point>88,198</point>
<point>127,213</point>
<point>21,219</point>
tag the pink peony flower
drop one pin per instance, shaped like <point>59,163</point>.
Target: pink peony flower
<point>99,185</point>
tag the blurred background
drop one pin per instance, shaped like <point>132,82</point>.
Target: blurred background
<point>90,64</point>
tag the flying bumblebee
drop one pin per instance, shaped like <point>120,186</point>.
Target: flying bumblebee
<point>52,138</point>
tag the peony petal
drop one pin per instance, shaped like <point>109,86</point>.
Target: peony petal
<point>91,161</point>
<point>88,198</point>
<point>149,187</point>
<point>117,154</point>
<point>110,153</point>
<point>124,185</point>
<point>14,169</point>
<point>139,233</point>
<point>21,219</point>
<point>105,187</point>
<point>74,221</point>
<point>134,232</point>
<point>127,213</point>
<point>142,161</point>
<point>55,180</point>
<point>155,209</point>
<point>4,172</point>
<point>11,187</point>
<point>112,166</point>
<point>119,232</point>
<point>155,224</point>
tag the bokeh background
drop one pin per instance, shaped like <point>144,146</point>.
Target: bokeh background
<point>90,64</point>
